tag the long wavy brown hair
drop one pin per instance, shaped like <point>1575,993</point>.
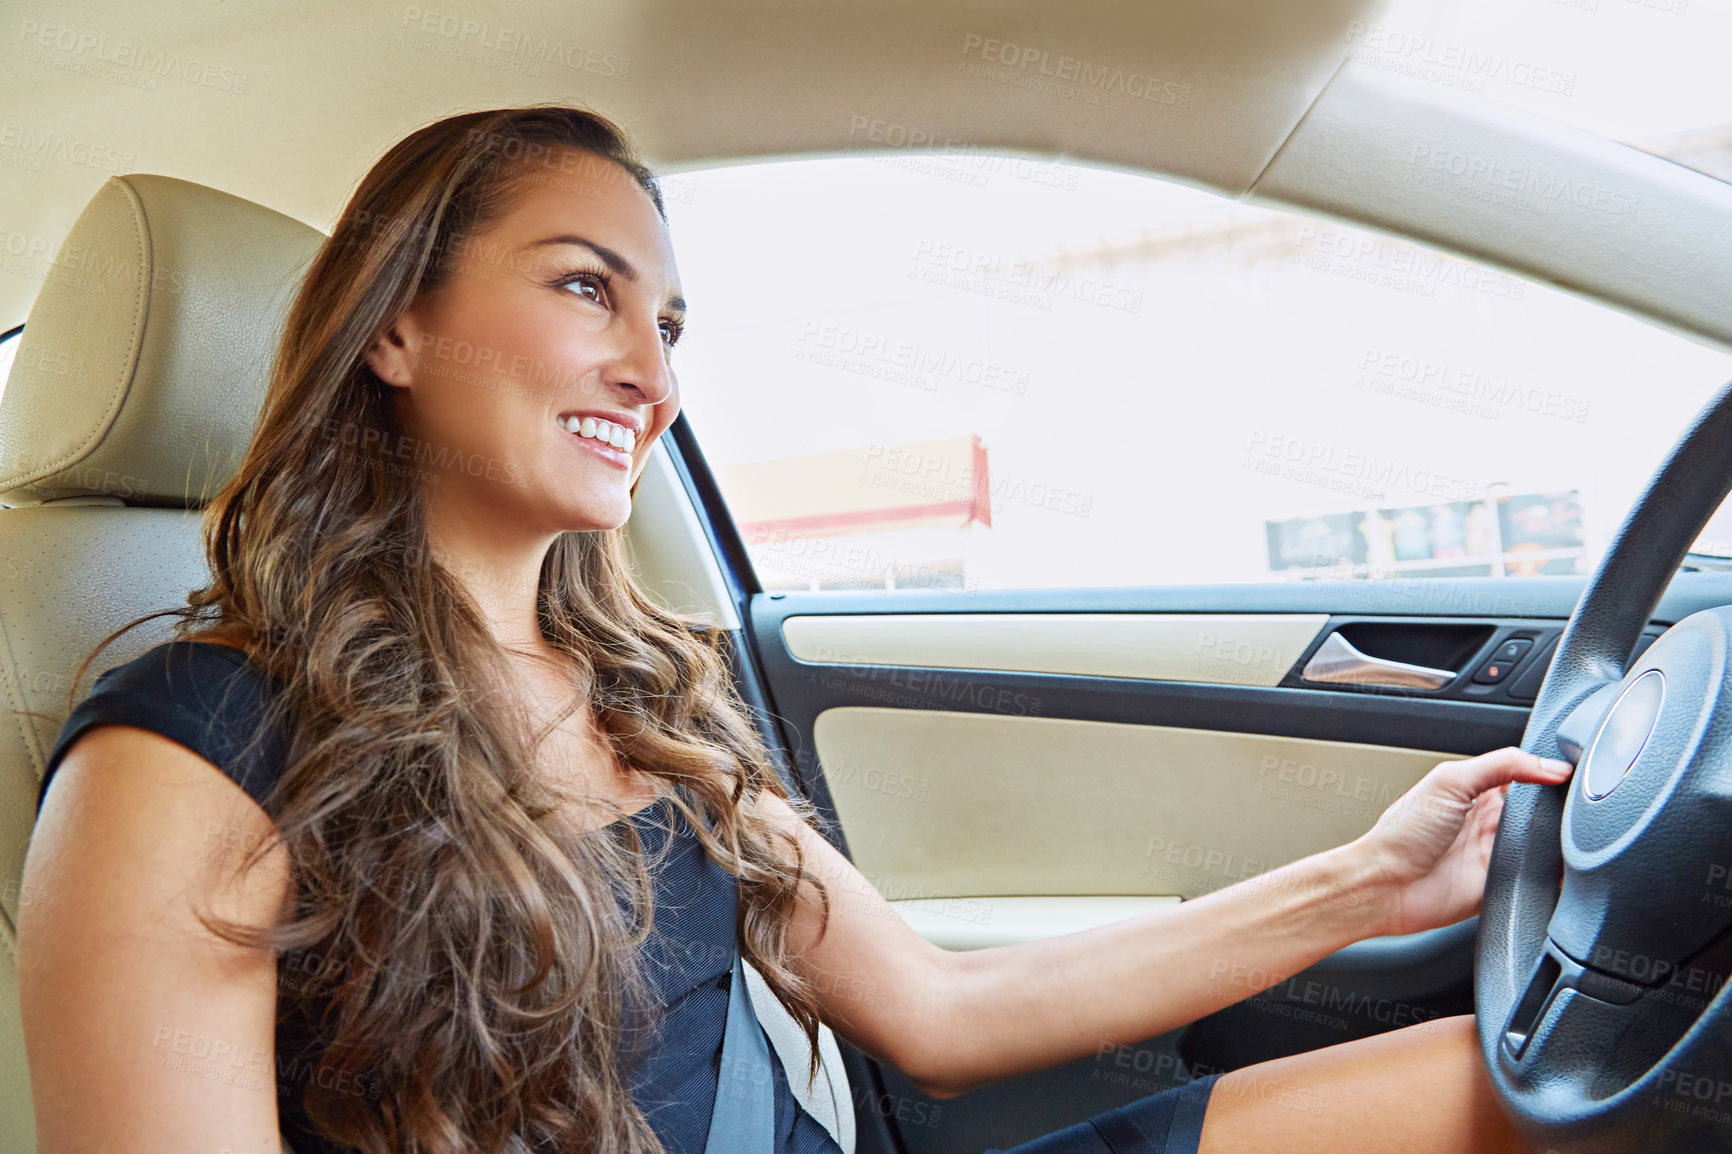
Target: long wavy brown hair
<point>480,956</point>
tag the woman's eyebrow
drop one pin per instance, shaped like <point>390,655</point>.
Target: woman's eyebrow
<point>609,257</point>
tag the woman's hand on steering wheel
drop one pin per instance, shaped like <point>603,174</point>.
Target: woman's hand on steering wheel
<point>1429,850</point>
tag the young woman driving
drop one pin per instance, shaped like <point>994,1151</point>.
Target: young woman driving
<point>368,855</point>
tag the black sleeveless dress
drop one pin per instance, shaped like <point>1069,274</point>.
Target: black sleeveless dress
<point>209,698</point>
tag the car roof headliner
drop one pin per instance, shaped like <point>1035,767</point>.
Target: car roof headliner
<point>329,85</point>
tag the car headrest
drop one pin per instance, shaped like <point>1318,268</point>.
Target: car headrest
<point>143,364</point>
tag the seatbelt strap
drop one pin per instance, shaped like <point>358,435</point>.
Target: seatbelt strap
<point>744,1118</point>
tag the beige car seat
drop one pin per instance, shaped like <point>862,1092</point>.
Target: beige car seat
<point>137,384</point>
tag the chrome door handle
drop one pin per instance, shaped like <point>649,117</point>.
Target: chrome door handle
<point>1338,662</point>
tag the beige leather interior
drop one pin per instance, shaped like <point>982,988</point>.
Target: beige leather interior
<point>945,805</point>
<point>161,306</point>
<point>1223,648</point>
<point>103,476</point>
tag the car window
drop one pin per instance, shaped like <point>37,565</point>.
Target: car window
<point>8,351</point>
<point>982,372</point>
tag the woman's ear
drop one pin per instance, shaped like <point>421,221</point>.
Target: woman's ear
<point>391,356</point>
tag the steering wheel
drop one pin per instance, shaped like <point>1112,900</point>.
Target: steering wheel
<point>1604,944</point>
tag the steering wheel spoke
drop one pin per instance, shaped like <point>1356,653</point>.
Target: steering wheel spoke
<point>1565,1006</point>
<point>1576,730</point>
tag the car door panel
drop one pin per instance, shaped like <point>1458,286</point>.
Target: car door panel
<point>1030,757</point>
<point>939,803</point>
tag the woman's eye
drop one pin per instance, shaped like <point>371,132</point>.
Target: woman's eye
<point>671,333</point>
<point>588,287</point>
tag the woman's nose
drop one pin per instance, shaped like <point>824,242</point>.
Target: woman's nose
<point>645,368</point>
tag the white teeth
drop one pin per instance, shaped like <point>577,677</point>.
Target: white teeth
<point>606,432</point>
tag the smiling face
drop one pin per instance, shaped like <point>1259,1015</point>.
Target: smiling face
<point>537,374</point>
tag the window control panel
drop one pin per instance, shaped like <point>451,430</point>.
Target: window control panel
<point>1508,655</point>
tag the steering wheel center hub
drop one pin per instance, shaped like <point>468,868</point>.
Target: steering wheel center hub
<point>1623,735</point>
<point>1642,823</point>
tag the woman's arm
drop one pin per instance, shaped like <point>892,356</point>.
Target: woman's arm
<point>144,1031</point>
<point>952,1021</point>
